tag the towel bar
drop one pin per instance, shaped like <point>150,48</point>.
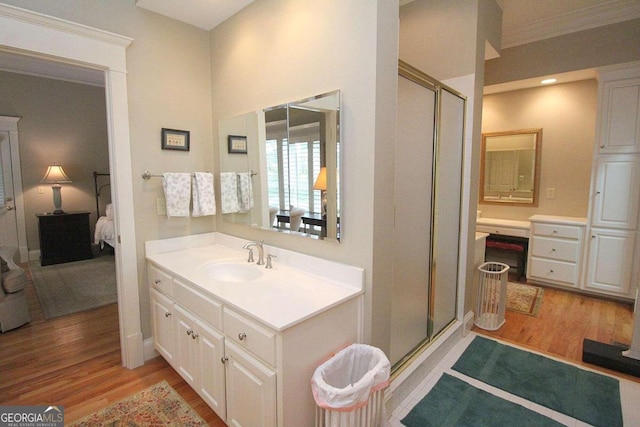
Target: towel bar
<point>148,175</point>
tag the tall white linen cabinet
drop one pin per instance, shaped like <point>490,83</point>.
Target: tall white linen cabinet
<point>613,238</point>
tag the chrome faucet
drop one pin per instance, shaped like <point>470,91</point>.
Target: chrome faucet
<point>257,245</point>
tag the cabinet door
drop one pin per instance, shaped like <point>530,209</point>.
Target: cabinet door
<point>617,191</point>
<point>186,349</point>
<point>162,324</point>
<point>610,261</point>
<point>620,123</point>
<point>212,382</point>
<point>251,390</point>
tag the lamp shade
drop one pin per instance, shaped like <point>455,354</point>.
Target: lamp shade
<point>55,175</point>
<point>321,180</point>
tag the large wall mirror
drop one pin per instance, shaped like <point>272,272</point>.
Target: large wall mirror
<point>280,167</point>
<point>510,167</point>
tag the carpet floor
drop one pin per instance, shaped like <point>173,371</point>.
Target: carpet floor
<point>74,286</point>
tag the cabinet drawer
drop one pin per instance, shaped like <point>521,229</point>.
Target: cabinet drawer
<point>555,271</point>
<point>203,306</point>
<point>160,280</point>
<point>504,231</point>
<point>555,230</point>
<point>250,335</point>
<point>557,249</point>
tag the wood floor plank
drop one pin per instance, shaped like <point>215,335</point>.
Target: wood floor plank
<point>74,361</point>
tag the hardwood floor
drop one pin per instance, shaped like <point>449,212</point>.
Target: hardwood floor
<point>563,321</point>
<point>74,361</point>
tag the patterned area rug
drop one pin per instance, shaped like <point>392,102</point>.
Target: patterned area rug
<point>72,287</point>
<point>159,405</point>
<point>524,299</point>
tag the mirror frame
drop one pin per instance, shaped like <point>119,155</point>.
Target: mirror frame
<point>536,179</point>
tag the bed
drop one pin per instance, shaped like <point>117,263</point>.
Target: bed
<point>104,235</point>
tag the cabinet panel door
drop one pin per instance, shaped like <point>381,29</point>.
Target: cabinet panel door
<point>162,324</point>
<point>212,381</point>
<point>610,261</point>
<point>186,348</point>
<point>251,390</point>
<point>621,117</point>
<point>617,192</point>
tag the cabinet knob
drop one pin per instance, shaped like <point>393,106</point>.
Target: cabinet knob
<point>242,336</point>
<point>550,271</point>
<point>167,314</point>
<point>553,249</point>
<point>224,359</point>
<point>602,146</point>
<point>189,331</point>
<point>194,336</point>
<point>157,281</point>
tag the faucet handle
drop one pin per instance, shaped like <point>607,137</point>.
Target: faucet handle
<point>250,259</point>
<point>269,264</point>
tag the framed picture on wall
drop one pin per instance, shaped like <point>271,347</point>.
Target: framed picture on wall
<point>173,139</point>
<point>237,144</point>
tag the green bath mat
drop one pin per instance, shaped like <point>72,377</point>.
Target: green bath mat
<point>581,394</point>
<point>453,402</point>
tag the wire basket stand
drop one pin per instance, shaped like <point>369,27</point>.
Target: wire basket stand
<point>491,300</point>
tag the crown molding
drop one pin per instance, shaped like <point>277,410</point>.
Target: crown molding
<point>591,17</point>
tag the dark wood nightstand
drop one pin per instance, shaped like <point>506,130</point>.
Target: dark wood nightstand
<point>64,237</point>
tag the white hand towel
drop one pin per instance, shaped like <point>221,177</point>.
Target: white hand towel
<point>177,192</point>
<point>229,192</point>
<point>204,200</point>
<point>245,192</point>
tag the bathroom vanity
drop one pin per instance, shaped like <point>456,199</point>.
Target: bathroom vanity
<point>245,337</point>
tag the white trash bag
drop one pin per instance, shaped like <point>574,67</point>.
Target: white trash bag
<point>347,380</point>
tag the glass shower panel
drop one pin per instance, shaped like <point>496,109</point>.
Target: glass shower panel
<point>412,233</point>
<point>447,204</point>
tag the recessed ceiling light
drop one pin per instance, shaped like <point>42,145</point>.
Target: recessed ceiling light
<point>548,81</point>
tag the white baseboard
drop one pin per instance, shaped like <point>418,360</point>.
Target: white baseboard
<point>149,350</point>
<point>468,322</point>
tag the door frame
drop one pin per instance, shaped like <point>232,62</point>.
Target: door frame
<point>29,33</point>
<point>10,125</point>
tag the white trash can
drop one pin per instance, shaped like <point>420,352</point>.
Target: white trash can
<point>491,297</point>
<point>349,388</point>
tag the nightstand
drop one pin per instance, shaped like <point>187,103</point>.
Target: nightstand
<point>64,237</point>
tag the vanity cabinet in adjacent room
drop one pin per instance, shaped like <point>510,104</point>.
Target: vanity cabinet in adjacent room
<point>556,246</point>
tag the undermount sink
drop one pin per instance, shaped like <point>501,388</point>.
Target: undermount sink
<point>233,271</point>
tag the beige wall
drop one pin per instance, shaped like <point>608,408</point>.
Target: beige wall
<point>597,47</point>
<point>567,114</point>
<point>61,122</point>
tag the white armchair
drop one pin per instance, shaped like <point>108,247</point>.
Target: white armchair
<point>14,310</point>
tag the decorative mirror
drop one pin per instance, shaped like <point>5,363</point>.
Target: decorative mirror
<point>286,177</point>
<point>510,167</point>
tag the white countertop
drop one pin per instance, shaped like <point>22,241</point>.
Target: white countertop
<point>281,297</point>
<point>559,219</point>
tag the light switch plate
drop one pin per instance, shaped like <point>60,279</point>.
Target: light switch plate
<point>551,193</point>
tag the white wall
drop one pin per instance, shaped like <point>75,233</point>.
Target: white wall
<point>567,115</point>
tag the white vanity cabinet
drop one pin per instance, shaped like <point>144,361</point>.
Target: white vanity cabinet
<point>250,373</point>
<point>616,191</point>
<point>555,250</point>
<point>610,263</point>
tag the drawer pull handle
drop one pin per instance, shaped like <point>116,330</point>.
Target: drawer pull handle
<point>224,359</point>
<point>167,314</point>
<point>194,336</point>
<point>555,231</point>
<point>550,271</point>
<point>157,281</point>
<point>553,249</point>
<point>242,336</point>
<point>189,331</point>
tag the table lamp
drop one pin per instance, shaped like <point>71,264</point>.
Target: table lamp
<point>55,175</point>
<point>321,184</point>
